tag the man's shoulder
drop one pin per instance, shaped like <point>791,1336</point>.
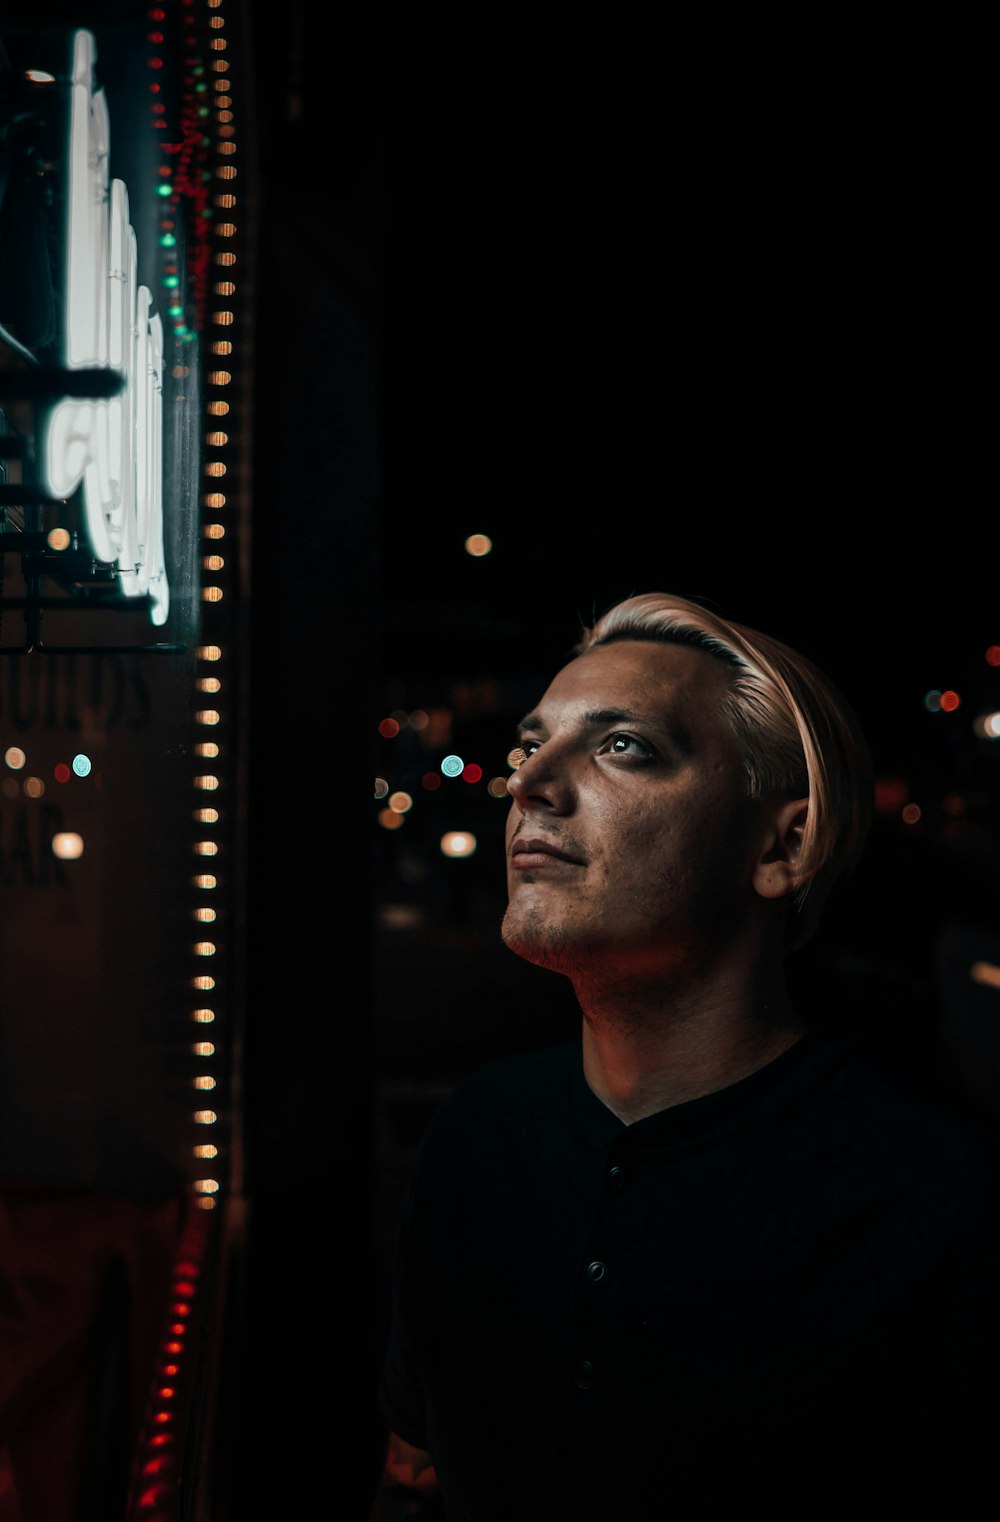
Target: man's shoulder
<point>913,1123</point>
<point>516,1092</point>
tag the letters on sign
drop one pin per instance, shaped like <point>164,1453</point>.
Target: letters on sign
<point>113,447</point>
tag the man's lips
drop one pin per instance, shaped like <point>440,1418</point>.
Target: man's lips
<point>530,851</point>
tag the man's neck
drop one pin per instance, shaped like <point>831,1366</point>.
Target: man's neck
<point>645,1052</point>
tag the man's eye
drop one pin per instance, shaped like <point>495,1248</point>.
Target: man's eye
<point>625,744</point>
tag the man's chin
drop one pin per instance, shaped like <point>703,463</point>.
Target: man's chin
<point>538,944</point>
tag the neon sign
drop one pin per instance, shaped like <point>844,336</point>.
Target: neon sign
<point>113,447</point>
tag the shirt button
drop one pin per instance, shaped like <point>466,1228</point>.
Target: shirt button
<point>583,1374</point>
<point>616,1179</point>
<point>597,1271</point>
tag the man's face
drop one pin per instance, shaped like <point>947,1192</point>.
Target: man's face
<point>632,789</point>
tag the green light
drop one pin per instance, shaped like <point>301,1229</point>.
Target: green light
<point>168,240</point>
<point>176,311</point>
<point>164,190</point>
<point>171,280</point>
<point>202,110</point>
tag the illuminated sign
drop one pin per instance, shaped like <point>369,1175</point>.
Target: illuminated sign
<point>113,447</point>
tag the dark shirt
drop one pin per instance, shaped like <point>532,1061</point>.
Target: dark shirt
<point>787,1289</point>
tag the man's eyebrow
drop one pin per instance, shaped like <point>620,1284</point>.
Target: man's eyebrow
<point>600,716</point>
<point>663,723</point>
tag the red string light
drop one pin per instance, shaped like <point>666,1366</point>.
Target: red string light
<point>167,1408</point>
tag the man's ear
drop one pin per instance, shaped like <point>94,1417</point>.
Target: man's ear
<point>776,870</point>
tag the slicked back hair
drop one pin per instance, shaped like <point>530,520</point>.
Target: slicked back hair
<point>797,735</point>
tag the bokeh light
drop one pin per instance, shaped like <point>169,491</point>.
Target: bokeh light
<point>478,545</point>
<point>516,757</point>
<point>400,802</point>
<point>82,765</point>
<point>458,843</point>
<point>381,787</point>
<point>950,701</point>
<point>67,845</point>
<point>389,819</point>
<point>890,794</point>
<point>452,766</point>
<point>431,781</point>
<point>912,813</point>
<point>472,772</point>
<point>15,757</point>
<point>497,787</point>
<point>388,728</point>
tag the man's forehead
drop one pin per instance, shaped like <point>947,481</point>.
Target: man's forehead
<point>637,679</point>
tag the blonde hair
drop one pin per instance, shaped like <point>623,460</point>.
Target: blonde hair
<point>797,734</point>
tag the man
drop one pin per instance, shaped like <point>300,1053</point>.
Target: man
<point>706,1256</point>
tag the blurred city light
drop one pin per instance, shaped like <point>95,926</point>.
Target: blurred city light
<point>458,843</point>
<point>67,845</point>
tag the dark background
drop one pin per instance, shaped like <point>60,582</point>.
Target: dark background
<point>648,324</point>
<point>700,314</point>
<point>650,320</point>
